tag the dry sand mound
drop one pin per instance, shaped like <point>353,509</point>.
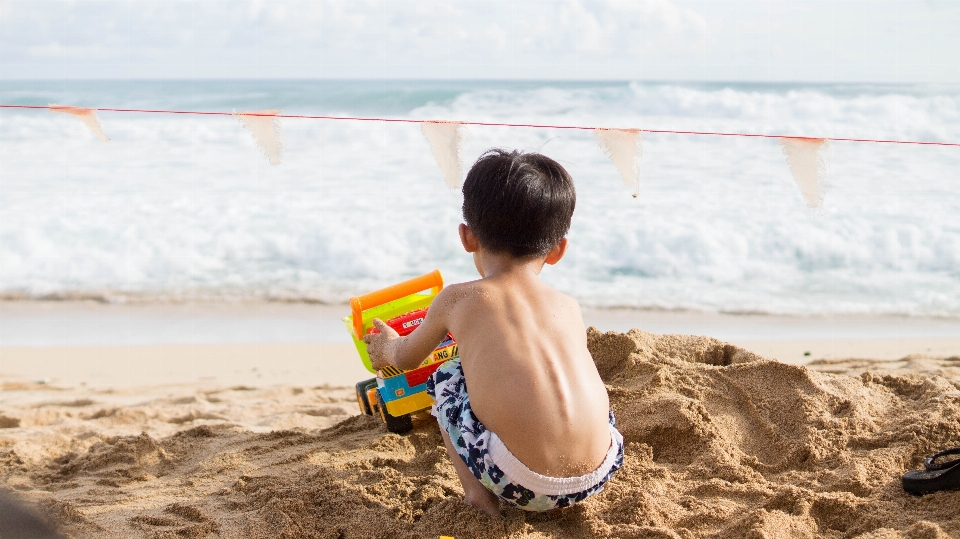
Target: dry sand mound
<point>720,443</point>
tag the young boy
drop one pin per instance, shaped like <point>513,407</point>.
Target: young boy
<point>536,429</point>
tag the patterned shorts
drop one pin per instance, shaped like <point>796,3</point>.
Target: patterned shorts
<point>490,462</point>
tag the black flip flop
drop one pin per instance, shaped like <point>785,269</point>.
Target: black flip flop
<point>936,476</point>
<point>931,462</point>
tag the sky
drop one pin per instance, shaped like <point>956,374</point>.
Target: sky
<point>706,40</point>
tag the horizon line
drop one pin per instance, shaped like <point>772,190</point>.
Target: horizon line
<point>480,79</point>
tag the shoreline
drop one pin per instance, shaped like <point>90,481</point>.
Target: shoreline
<point>108,345</point>
<point>85,323</point>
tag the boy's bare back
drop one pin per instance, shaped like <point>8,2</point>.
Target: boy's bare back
<point>531,378</point>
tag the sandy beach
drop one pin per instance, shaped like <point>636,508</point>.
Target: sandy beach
<point>264,439</point>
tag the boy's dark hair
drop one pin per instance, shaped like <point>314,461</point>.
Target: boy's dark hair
<point>518,203</point>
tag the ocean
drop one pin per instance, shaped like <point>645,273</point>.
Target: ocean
<point>184,208</point>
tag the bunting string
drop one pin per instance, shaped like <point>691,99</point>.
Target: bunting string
<point>806,157</point>
<point>503,124</point>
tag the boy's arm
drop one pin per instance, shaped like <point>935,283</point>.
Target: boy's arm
<point>389,348</point>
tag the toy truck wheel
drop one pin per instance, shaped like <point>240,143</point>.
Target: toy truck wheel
<point>362,388</point>
<point>398,425</point>
<point>372,399</point>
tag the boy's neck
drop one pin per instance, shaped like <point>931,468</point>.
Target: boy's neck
<point>500,264</point>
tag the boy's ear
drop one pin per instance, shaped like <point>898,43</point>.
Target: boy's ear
<point>468,239</point>
<point>557,252</point>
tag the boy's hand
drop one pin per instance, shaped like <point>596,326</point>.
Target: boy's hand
<point>380,346</point>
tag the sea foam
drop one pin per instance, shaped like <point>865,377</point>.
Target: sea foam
<point>184,207</point>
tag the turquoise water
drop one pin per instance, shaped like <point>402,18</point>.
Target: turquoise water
<point>184,207</point>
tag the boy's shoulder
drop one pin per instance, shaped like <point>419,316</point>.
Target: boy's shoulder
<point>458,298</point>
<point>492,292</point>
<point>466,291</point>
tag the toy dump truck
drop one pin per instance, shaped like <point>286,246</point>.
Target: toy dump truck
<point>397,395</point>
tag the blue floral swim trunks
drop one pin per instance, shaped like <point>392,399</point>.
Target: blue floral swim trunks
<point>492,463</point>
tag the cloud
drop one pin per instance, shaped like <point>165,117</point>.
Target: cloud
<point>424,29</point>
<point>661,15</point>
<point>56,50</point>
<point>667,39</point>
<point>614,27</point>
<point>583,28</point>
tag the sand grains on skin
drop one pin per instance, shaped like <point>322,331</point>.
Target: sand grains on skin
<point>720,443</point>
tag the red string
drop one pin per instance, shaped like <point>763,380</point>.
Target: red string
<point>499,124</point>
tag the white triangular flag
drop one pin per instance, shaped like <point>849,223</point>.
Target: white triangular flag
<point>445,139</point>
<point>625,148</point>
<point>266,130</point>
<point>87,116</point>
<point>809,161</point>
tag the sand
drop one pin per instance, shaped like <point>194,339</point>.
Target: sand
<point>720,443</point>
<point>209,365</point>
